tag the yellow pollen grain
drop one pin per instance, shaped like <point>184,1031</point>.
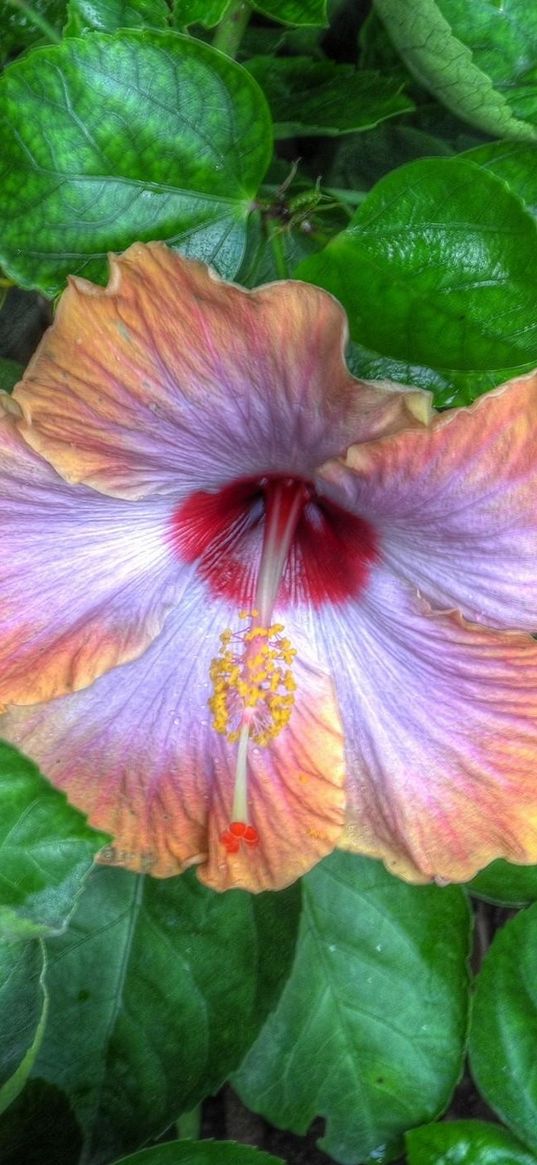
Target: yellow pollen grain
<point>252,678</point>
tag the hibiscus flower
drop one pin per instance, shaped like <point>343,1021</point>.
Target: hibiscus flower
<point>253,608</point>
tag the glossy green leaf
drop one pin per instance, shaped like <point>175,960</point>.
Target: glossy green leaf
<point>503,1035</point>
<point>436,270</point>
<point>201,1153</point>
<point>465,1143</point>
<point>139,135</point>
<point>206,12</point>
<point>506,884</point>
<point>367,365</point>
<point>430,38</point>
<point>299,12</point>
<point>503,42</point>
<point>370,1027</point>
<point>23,1011</point>
<point>46,851</point>
<point>310,98</point>
<point>109,15</point>
<point>185,978</point>
<point>514,163</point>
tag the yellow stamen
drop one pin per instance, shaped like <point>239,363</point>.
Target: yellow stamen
<point>253,684</point>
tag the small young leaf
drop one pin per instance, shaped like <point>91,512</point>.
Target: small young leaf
<point>370,1027</point>
<point>46,851</point>
<point>311,98</point>
<point>23,1012</point>
<point>430,38</point>
<point>185,979</point>
<point>140,135</point>
<point>201,1153</point>
<point>503,1034</point>
<point>465,1143</point>
<point>436,269</point>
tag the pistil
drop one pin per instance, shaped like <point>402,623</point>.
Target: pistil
<point>253,684</point>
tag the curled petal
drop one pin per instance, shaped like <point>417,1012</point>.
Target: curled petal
<point>143,386</point>
<point>138,754</point>
<point>86,582</point>
<point>455,505</point>
<point>440,720</point>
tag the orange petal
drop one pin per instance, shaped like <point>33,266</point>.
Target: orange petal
<point>171,378</point>
<point>455,505</point>
<point>137,753</point>
<point>86,582</point>
<point>440,720</point>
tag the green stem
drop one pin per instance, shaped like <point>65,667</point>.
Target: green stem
<point>278,254</point>
<point>39,21</point>
<point>354,197</point>
<point>231,29</point>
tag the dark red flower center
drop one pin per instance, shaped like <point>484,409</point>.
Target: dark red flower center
<point>326,552</point>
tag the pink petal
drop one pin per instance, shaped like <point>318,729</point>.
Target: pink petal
<point>440,721</point>
<point>455,505</point>
<point>137,752</point>
<point>86,582</point>
<point>170,379</point>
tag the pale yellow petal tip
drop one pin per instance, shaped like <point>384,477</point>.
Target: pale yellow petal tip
<point>420,405</point>
<point>9,406</point>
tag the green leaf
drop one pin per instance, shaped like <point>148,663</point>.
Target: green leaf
<point>506,884</point>
<point>201,1153</point>
<point>109,15</point>
<point>367,365</point>
<point>185,979</point>
<point>46,851</point>
<point>10,373</point>
<point>267,257</point>
<point>514,163</point>
<point>299,12</point>
<point>503,42</point>
<point>430,38</point>
<point>139,135</point>
<point>23,1013</point>
<point>206,12</point>
<point>311,98</point>
<point>503,1035</point>
<point>39,1128</point>
<point>436,270</point>
<point>465,1143</point>
<point>20,31</point>
<point>370,1027</point>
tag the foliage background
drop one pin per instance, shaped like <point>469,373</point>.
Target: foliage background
<point>387,152</point>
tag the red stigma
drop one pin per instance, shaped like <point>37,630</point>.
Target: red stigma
<point>239,831</point>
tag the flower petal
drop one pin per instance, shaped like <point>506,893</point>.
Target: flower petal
<point>146,385</point>
<point>455,505</point>
<point>137,753</point>
<point>440,721</point>
<point>86,582</point>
